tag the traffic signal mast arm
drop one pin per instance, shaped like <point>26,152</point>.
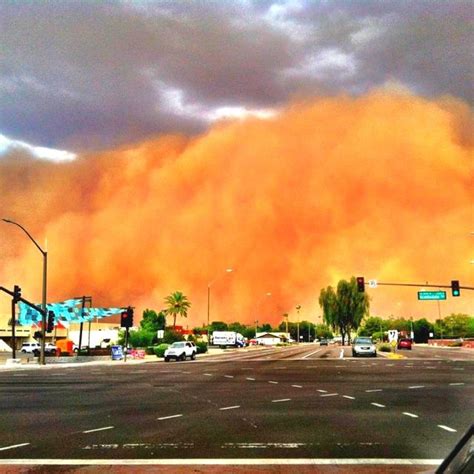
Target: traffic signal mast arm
<point>424,285</point>
<point>28,303</point>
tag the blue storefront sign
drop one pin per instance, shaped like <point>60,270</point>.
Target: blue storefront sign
<point>117,353</point>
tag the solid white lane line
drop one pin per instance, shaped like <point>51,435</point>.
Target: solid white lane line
<point>99,429</point>
<point>297,386</point>
<point>311,353</point>
<point>417,386</point>
<point>169,417</point>
<point>230,408</point>
<point>13,446</point>
<point>457,383</point>
<point>410,414</point>
<point>328,394</point>
<point>374,390</point>
<point>281,400</point>
<point>229,376</point>
<point>447,428</point>
<point>272,381</point>
<point>378,405</point>
<point>349,397</point>
<point>250,378</point>
<point>322,391</point>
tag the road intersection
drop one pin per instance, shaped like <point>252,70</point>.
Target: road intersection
<point>300,403</point>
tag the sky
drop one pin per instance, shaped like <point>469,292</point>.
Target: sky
<point>152,145</point>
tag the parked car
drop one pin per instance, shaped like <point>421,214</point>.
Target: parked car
<point>363,346</point>
<point>404,343</point>
<point>323,342</point>
<point>30,347</point>
<point>49,348</point>
<point>180,351</point>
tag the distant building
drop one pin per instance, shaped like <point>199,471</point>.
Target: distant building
<point>271,338</point>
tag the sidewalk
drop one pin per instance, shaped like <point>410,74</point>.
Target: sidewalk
<point>58,362</point>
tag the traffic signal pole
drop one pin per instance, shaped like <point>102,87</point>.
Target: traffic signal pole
<point>16,297</point>
<point>13,328</point>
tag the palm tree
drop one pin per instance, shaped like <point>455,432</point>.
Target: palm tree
<point>177,304</point>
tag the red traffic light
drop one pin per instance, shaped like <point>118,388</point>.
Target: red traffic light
<point>360,284</point>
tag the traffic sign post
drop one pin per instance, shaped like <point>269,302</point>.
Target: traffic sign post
<point>432,295</point>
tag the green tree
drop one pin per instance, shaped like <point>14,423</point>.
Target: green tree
<point>265,327</point>
<point>323,331</point>
<point>457,325</point>
<point>218,326</point>
<point>237,327</point>
<point>422,329</point>
<point>372,325</point>
<point>172,336</point>
<point>344,308</point>
<point>153,321</point>
<point>177,305</point>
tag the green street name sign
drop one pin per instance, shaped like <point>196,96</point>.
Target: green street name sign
<point>432,295</point>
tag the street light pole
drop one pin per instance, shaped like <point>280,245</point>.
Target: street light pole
<point>45,279</point>
<point>298,307</point>
<point>228,270</point>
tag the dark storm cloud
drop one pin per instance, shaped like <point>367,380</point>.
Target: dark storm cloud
<point>89,75</point>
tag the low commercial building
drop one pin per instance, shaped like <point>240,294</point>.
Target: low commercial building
<point>271,338</point>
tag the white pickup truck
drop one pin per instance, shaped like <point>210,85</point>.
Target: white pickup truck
<point>180,351</point>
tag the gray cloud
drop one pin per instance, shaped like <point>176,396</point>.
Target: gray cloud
<point>90,75</point>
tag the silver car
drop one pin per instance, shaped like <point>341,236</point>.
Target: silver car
<point>363,346</point>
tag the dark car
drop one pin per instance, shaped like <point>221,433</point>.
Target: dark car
<point>404,343</point>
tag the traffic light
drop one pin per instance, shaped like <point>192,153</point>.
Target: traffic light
<point>50,326</point>
<point>126,320</point>
<point>16,293</point>
<point>455,288</point>
<point>360,284</point>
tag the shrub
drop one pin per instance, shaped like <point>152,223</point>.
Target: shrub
<point>160,350</point>
<point>201,347</point>
<point>385,348</point>
<point>150,350</point>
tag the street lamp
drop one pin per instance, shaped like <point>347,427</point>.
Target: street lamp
<point>45,270</point>
<point>228,270</point>
<point>298,307</point>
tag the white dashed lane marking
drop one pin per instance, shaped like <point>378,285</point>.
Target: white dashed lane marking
<point>297,386</point>
<point>311,353</point>
<point>281,400</point>
<point>13,446</point>
<point>457,383</point>
<point>230,408</point>
<point>99,429</point>
<point>272,381</point>
<point>250,378</point>
<point>349,397</point>
<point>416,386</point>
<point>447,428</point>
<point>379,405</point>
<point>329,394</point>
<point>374,390</point>
<point>169,417</point>
<point>229,376</point>
<point>410,414</point>
<point>208,375</point>
<point>322,391</point>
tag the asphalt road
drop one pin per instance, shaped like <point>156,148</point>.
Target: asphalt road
<point>301,403</point>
